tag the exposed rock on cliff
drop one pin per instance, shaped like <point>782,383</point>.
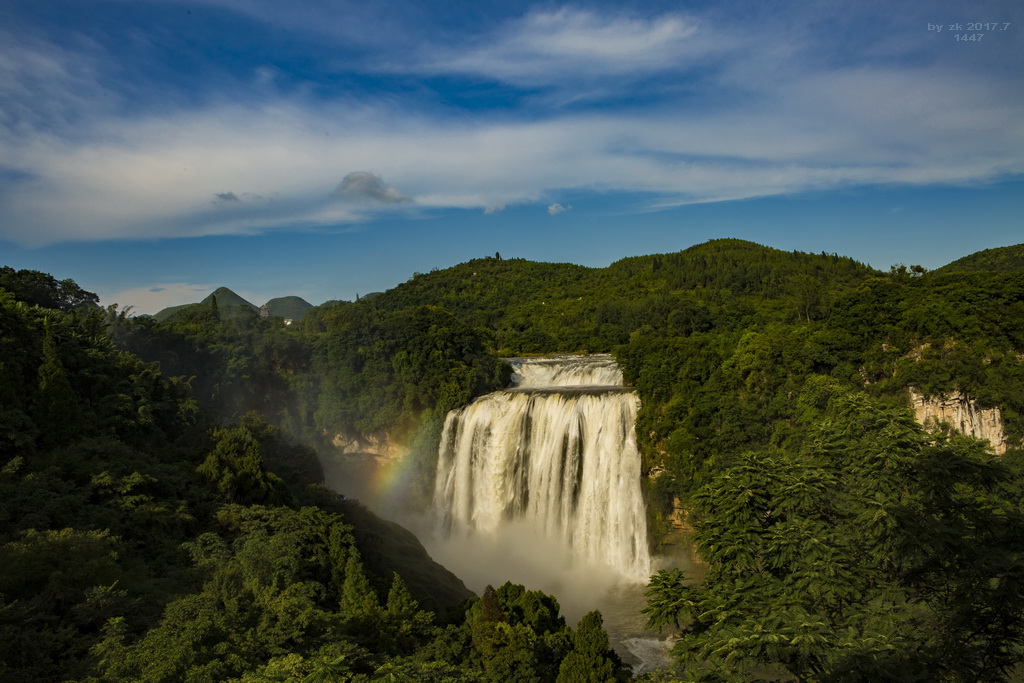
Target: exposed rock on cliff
<point>380,445</point>
<point>962,415</point>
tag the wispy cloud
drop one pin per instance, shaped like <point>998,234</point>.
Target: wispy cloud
<point>772,117</point>
<point>555,209</point>
<point>547,47</point>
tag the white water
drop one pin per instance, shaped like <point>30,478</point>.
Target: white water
<point>598,370</point>
<point>549,468</point>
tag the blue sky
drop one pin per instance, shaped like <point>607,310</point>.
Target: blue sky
<point>156,149</point>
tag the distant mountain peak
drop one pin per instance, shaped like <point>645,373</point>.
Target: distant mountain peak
<point>288,307</point>
<point>225,297</point>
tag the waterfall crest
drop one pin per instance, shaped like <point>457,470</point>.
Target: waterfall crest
<point>557,452</point>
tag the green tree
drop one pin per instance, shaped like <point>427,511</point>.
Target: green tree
<point>591,660</point>
<point>236,468</point>
<point>56,408</point>
<point>357,595</point>
<point>42,289</point>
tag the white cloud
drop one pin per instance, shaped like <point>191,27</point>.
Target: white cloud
<point>570,44</point>
<point>362,186</point>
<point>162,176</point>
<point>555,209</point>
<point>773,122</point>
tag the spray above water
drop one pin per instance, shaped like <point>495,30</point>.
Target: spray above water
<point>548,470</point>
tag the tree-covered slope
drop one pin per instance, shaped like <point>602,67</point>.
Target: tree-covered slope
<point>226,302</point>
<point>290,307</point>
<point>1001,260</point>
<point>532,307</point>
<point>142,540</point>
<point>870,552</point>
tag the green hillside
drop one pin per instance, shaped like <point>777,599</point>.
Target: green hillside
<point>228,303</point>
<point>533,307</point>
<point>1000,260</point>
<point>226,299</point>
<point>290,307</point>
<point>167,313</point>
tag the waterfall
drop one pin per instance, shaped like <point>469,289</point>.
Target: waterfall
<point>556,452</point>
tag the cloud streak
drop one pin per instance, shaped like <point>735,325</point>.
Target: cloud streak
<point>548,47</point>
<point>770,120</point>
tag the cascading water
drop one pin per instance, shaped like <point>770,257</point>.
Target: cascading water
<point>555,453</point>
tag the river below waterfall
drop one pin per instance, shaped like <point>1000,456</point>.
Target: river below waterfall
<point>579,588</point>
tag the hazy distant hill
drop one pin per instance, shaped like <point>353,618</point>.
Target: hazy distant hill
<point>167,313</point>
<point>292,307</point>
<point>229,303</point>
<point>225,298</point>
<point>1000,259</point>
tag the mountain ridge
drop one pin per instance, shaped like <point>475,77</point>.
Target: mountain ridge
<point>289,307</point>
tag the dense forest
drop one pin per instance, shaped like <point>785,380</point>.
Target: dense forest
<point>162,515</point>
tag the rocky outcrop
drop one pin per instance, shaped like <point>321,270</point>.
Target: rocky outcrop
<point>380,445</point>
<point>678,519</point>
<point>962,415</point>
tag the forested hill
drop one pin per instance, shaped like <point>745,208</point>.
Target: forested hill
<point>1002,259</point>
<point>230,304</point>
<point>533,307</point>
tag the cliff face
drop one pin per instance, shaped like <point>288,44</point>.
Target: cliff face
<point>963,415</point>
<point>381,445</point>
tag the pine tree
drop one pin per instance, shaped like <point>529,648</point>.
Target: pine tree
<point>357,596</point>
<point>401,604</point>
<point>490,608</point>
<point>591,659</point>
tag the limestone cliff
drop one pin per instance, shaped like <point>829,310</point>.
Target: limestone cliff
<point>963,415</point>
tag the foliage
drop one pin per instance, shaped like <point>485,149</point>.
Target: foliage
<point>42,289</point>
<point>1001,259</point>
<point>142,542</point>
<point>872,554</point>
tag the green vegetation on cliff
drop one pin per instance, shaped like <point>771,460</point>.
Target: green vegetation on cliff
<point>874,552</point>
